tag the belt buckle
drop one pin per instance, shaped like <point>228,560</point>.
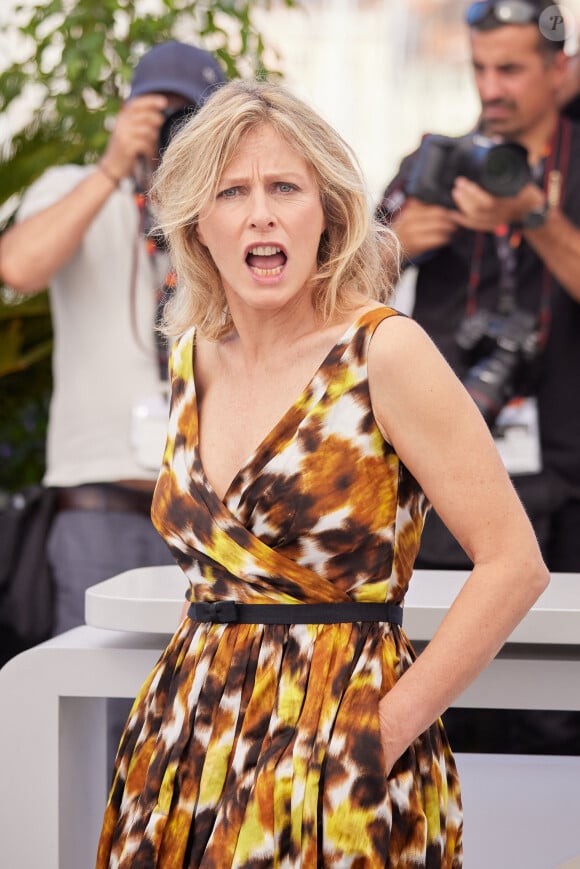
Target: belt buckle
<point>221,611</point>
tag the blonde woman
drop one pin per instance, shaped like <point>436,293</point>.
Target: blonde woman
<point>288,722</point>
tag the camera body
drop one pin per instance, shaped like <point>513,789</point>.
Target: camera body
<point>173,120</point>
<point>500,348</point>
<point>501,169</point>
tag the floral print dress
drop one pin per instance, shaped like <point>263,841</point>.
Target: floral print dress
<point>255,746</point>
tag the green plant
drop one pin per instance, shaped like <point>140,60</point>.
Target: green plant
<point>77,65</point>
<point>25,386</point>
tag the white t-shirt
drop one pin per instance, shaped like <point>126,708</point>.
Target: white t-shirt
<point>104,360</point>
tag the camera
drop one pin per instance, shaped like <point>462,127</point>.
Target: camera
<point>501,169</point>
<point>503,346</point>
<point>173,121</point>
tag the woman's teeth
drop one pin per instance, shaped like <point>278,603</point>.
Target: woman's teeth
<point>265,250</point>
<point>266,260</point>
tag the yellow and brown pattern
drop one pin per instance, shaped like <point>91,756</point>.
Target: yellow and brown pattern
<point>255,746</point>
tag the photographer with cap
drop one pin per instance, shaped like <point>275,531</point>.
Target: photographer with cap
<point>496,245</point>
<point>82,231</point>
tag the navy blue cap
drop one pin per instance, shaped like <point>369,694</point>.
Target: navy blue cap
<point>179,68</point>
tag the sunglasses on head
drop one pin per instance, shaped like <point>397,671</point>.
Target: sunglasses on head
<point>501,11</point>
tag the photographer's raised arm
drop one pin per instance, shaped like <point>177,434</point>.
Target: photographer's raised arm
<point>33,250</point>
<point>556,241</point>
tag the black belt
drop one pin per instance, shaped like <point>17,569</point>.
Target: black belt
<point>104,498</point>
<point>226,611</point>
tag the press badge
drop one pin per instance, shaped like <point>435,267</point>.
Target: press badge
<point>149,429</point>
<point>517,436</point>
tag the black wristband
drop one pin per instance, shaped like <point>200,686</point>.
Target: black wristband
<point>535,218</point>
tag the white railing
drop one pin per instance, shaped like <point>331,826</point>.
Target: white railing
<point>519,810</point>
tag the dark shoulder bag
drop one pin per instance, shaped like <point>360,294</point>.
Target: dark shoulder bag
<point>26,588</point>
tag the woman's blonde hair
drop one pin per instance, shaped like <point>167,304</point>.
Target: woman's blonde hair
<point>356,257</point>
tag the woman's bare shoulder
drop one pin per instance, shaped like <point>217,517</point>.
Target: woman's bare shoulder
<point>398,334</point>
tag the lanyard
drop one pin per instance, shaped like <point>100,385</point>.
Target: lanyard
<point>162,291</point>
<point>508,239</point>
<point>506,245</point>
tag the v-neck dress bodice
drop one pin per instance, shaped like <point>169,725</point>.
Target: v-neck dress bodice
<point>259,745</point>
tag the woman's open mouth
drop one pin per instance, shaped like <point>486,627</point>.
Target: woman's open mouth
<point>266,261</point>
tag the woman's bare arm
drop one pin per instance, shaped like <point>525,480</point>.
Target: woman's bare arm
<point>439,434</point>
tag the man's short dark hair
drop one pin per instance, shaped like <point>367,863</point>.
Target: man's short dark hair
<point>491,14</point>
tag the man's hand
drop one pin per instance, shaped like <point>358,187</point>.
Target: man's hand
<point>482,212</point>
<point>421,227</point>
<point>136,133</point>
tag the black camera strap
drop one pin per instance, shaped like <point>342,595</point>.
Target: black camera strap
<point>508,239</point>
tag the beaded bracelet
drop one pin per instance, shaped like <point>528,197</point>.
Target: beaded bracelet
<point>108,174</point>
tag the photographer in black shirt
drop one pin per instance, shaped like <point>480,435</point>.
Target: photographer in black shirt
<point>497,251</point>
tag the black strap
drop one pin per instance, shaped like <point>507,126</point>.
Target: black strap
<point>227,611</point>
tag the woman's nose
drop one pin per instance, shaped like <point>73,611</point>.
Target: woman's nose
<point>261,212</point>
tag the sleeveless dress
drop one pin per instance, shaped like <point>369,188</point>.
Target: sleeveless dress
<point>255,746</point>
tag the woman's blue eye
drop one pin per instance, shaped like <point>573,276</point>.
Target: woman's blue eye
<point>285,186</point>
<point>229,192</point>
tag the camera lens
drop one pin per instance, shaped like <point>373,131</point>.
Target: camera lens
<point>505,170</point>
<point>173,122</point>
